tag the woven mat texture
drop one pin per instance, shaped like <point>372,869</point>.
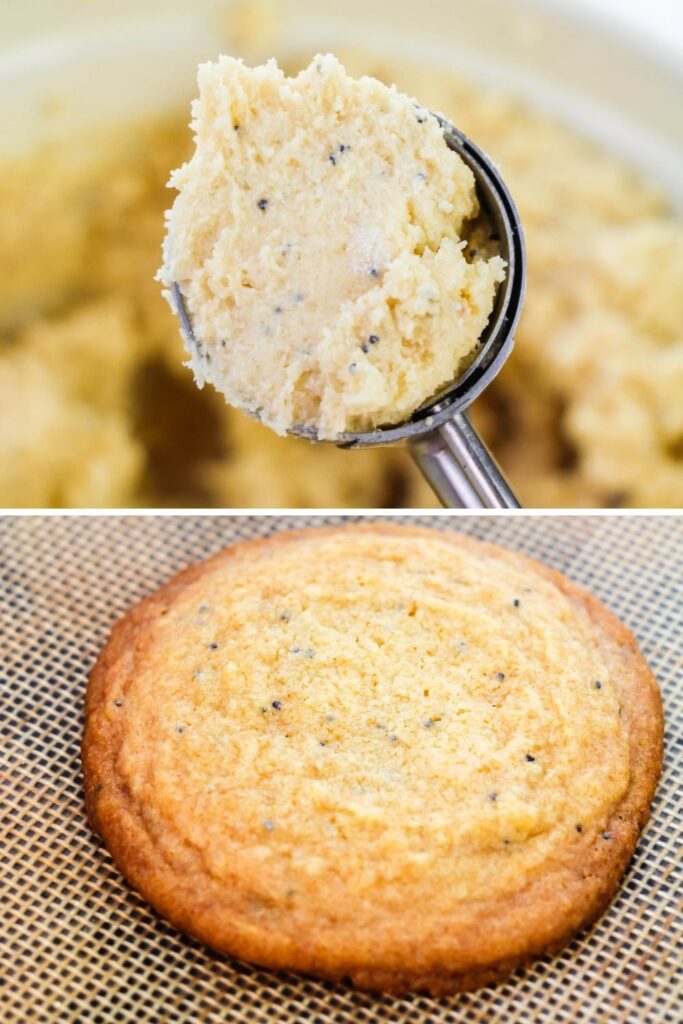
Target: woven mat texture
<point>76,944</point>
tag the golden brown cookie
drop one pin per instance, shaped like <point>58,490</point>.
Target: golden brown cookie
<point>388,754</point>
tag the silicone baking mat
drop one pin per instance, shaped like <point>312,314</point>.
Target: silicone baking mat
<point>76,944</point>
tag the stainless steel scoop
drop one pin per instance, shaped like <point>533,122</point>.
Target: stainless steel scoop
<point>439,435</point>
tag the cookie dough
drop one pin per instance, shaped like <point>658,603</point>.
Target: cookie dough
<point>317,239</point>
<point>586,412</point>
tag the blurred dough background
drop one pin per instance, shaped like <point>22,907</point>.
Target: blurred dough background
<point>97,409</point>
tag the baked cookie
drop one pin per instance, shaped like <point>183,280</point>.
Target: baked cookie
<point>393,755</point>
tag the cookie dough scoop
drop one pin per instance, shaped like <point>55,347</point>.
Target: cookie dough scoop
<point>439,434</point>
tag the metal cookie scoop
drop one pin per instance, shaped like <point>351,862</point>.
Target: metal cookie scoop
<point>439,435</point>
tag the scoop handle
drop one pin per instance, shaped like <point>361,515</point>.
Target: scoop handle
<point>459,467</point>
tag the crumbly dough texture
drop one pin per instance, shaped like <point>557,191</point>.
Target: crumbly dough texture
<point>586,412</point>
<point>317,242</point>
<point>403,757</point>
